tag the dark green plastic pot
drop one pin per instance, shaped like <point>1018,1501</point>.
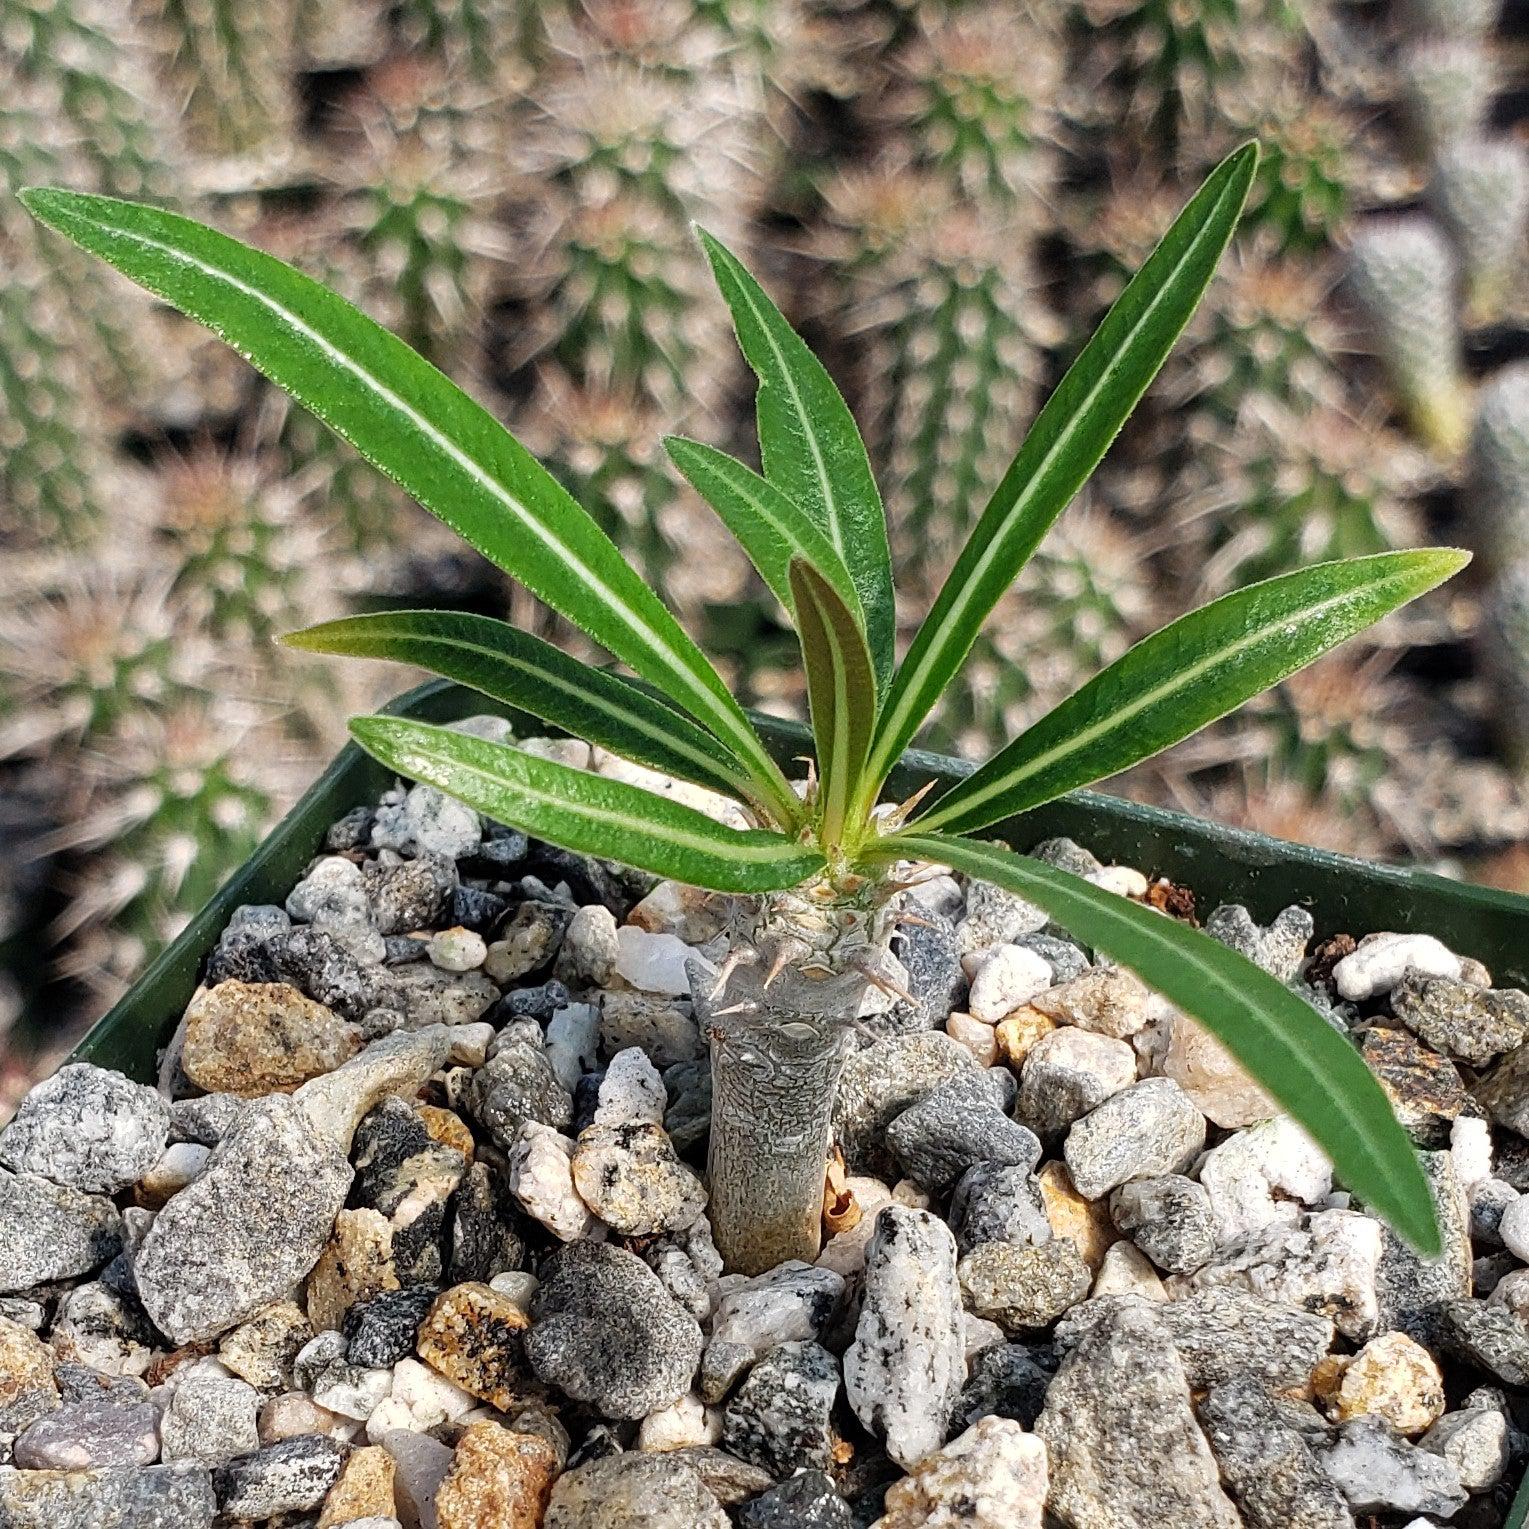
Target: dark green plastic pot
<point>1220,864</point>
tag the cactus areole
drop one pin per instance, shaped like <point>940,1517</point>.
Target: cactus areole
<point>819,872</point>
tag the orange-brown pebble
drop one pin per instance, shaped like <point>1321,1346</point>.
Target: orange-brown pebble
<point>447,1128</point>
<point>1087,1222</point>
<point>498,1480</point>
<point>1018,1032</point>
<point>252,1038</point>
<point>364,1490</point>
<point>475,1338</point>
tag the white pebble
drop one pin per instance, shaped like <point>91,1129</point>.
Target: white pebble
<point>1470,1146</point>
<point>1262,1175</point>
<point>470,1043</point>
<point>681,1425</point>
<point>179,1165</point>
<point>654,963</point>
<point>541,1179</point>
<point>457,950</point>
<point>1126,1270</point>
<point>516,1286</point>
<point>1011,976</point>
<point>353,1392</point>
<point>631,1091</point>
<point>1514,1229</point>
<point>1382,960</point>
<point>979,1038</point>
<point>1123,879</point>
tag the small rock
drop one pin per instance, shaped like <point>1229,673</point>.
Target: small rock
<point>1488,1336</point>
<point>573,1043</point>
<point>790,1304</point>
<point>476,1339</point>
<point>152,1497</point>
<point>211,1417</point>
<point>429,822</point>
<point>1476,1441</point>
<point>178,1166</point>
<point>290,1477</point>
<point>1392,1378</point>
<point>937,1139</point>
<point>98,1326</point>
<point>248,1229</point>
<point>1377,1472</point>
<point>1470,1146</point>
<point>541,1179</point>
<point>660,1027</point>
<point>331,893</point>
<point>590,948</point>
<point>882,1080</point>
<point>994,1203</point>
<point>456,950</point>
<point>1325,1263</point>
<point>1085,1223</point>
<point>1123,1441</point>
<point>498,1480</point>
<point>1504,1092</point>
<point>421,1465</point>
<point>1069,1072</point>
<point>1229,1334</point>
<point>1105,1000</point>
<point>631,1092</point>
<point>261,1351</point>
<point>1279,947</point>
<point>979,1039</point>
<point>994,1476</point>
<point>1382,960</point>
<point>995,917</point>
<point>804,1501</point>
<point>90,1435</point>
<point>605,1331</point>
<point>1473,1024</point>
<point>679,1425</point>
<point>1007,1380</point>
<point>397,1064</point>
<point>486,1238</point>
<point>779,1419</point>
<point>631,1178</point>
<point>383,1329</point>
<point>1264,1175</point>
<point>357,1262</point>
<point>253,1038</point>
<point>204,1120</point>
<point>634,1491</point>
<point>50,1232</point>
<point>1126,1270</point>
<point>1022,1288</point>
<point>364,1490</point>
<point>1425,1089</point>
<point>518,1085</point>
<point>1266,1464</point>
<point>1006,977</point>
<point>904,1371</point>
<point>88,1129</point>
<point>528,942</point>
<point>1212,1077</point>
<point>653,963</point>
<point>1410,1287</point>
<point>28,1390</point>
<point>1018,1035</point>
<point>1150,1128</point>
<point>1169,1218</point>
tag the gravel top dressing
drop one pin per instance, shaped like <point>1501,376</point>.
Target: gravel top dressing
<point>414,1230</point>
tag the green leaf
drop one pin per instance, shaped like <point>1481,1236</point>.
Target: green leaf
<point>587,813</point>
<point>421,429</point>
<point>1180,679</point>
<point>1065,444</point>
<point>1307,1066</point>
<point>841,690</point>
<point>811,447</point>
<point>523,671</point>
<point>767,525</point>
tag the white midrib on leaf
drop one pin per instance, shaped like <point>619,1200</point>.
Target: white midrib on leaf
<point>895,720</point>
<point>739,729</point>
<point>1133,708</point>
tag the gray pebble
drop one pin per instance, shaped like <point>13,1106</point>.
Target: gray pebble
<point>117,1497</point>
<point>1150,1128</point>
<point>289,1477</point>
<point>937,1139</point>
<point>88,1435</point>
<point>779,1419</point>
<point>50,1232</point>
<point>993,1203</point>
<point>1169,1218</point>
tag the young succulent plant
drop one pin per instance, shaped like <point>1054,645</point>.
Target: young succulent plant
<point>817,874</point>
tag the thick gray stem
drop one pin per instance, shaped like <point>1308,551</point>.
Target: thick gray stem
<point>773,1079</point>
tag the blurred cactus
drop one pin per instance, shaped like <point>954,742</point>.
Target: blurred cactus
<point>1403,277</point>
<point>230,66</point>
<point>1446,84</point>
<point>1480,190</point>
<point>1306,172</point>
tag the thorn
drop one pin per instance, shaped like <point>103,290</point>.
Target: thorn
<point>731,962</point>
<point>904,810</point>
<point>913,920</point>
<point>782,960</point>
<point>746,1007</point>
<point>885,984</point>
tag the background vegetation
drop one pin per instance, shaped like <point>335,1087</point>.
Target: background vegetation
<point>945,196</point>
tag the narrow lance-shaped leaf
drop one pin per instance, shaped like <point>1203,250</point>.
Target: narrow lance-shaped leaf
<point>523,671</point>
<point>811,447</point>
<point>841,690</point>
<point>767,525</point>
<point>421,429</point>
<point>588,814</point>
<point>1178,680</point>
<point>1309,1068</point>
<point>1064,445</point>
